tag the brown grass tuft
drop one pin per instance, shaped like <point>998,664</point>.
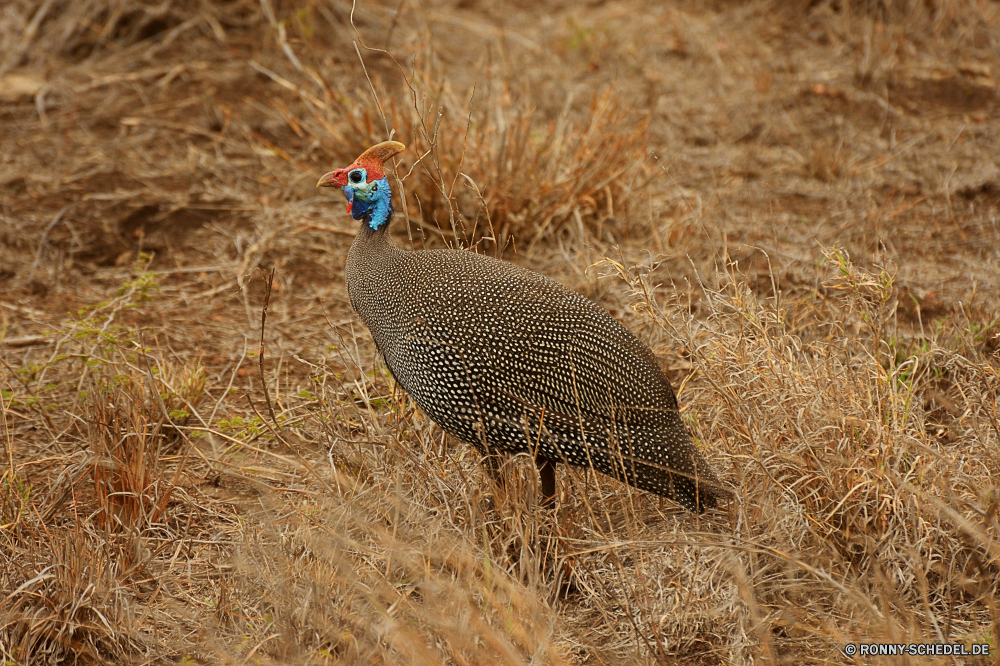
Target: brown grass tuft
<point>73,608</point>
<point>125,467</point>
<point>544,175</point>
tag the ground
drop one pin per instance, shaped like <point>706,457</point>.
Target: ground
<point>795,204</point>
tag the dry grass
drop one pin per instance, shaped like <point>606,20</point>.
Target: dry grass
<point>795,204</point>
<point>870,454</point>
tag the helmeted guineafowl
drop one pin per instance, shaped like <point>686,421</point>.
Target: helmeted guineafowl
<point>493,352</point>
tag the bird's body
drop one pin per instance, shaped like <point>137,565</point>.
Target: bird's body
<point>513,362</point>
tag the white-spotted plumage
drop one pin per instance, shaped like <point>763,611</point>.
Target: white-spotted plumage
<point>512,362</point>
<point>489,349</point>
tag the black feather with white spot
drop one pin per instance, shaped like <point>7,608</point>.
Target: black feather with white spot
<point>491,351</point>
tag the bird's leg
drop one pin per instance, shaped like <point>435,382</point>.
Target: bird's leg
<point>547,471</point>
<point>492,463</point>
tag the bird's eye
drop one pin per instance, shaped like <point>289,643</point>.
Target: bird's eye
<point>356,177</point>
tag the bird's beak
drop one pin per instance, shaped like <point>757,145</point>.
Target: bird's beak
<point>336,178</point>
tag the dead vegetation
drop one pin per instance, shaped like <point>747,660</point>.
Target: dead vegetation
<point>795,204</point>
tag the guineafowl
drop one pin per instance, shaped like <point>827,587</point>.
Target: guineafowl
<point>511,361</point>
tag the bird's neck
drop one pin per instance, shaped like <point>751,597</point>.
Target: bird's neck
<point>380,215</point>
<point>375,222</point>
<point>370,236</point>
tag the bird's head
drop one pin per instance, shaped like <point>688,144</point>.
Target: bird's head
<point>365,185</point>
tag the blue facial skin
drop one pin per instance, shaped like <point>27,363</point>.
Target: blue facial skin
<point>371,202</point>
